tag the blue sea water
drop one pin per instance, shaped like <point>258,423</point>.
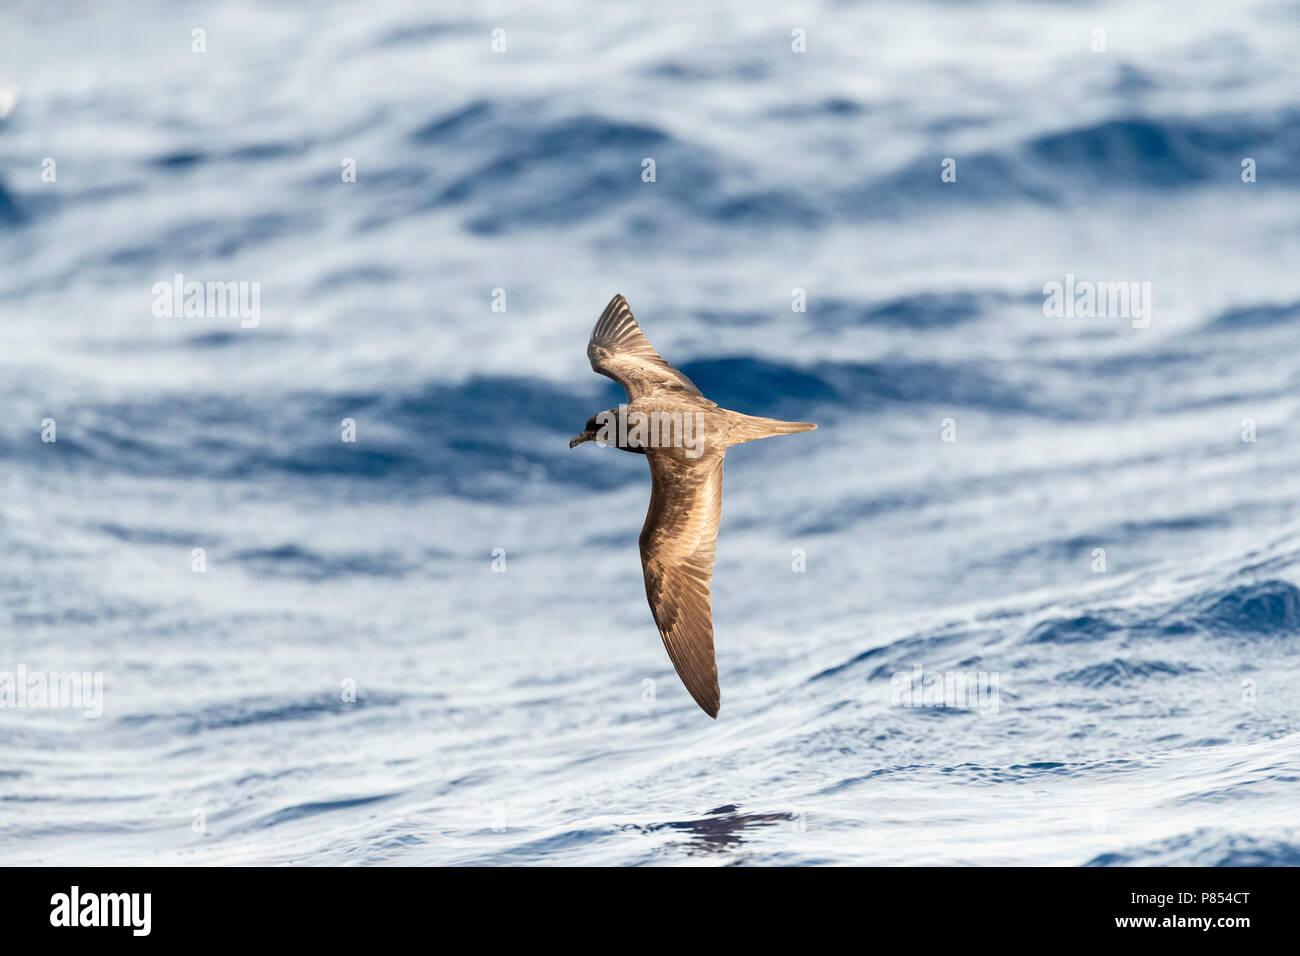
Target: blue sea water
<point>1146,714</point>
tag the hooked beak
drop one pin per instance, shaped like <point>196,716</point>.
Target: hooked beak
<point>577,440</point>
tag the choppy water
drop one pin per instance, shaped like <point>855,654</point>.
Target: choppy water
<point>1146,714</point>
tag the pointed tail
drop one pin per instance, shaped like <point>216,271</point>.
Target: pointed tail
<point>749,428</point>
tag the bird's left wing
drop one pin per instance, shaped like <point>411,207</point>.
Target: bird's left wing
<point>620,350</point>
<point>677,551</point>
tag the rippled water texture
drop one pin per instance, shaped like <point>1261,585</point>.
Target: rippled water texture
<point>1144,714</point>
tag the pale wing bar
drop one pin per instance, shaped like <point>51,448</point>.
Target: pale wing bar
<point>620,350</point>
<point>678,544</point>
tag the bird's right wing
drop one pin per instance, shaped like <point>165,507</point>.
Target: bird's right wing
<point>620,350</point>
<point>677,551</point>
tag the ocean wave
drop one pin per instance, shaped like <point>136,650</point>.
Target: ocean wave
<point>1150,153</point>
<point>304,810</point>
<point>1263,609</point>
<point>920,311</point>
<point>1122,671</point>
<point>1167,152</point>
<point>10,212</point>
<point>1205,847</point>
<point>252,711</point>
<point>1086,627</point>
<point>295,561</point>
<point>1254,317</point>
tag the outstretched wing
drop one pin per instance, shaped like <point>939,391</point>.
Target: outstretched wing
<point>619,349</point>
<point>677,549</point>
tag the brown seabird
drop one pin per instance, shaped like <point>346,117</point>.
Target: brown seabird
<point>685,438</point>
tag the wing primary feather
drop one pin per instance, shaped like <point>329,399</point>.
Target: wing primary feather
<point>619,350</point>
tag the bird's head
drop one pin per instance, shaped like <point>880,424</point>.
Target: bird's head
<point>605,427</point>
<point>588,433</point>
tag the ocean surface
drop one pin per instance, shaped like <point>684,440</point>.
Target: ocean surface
<point>1093,519</point>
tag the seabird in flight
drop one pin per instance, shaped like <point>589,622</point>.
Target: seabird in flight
<point>685,438</point>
